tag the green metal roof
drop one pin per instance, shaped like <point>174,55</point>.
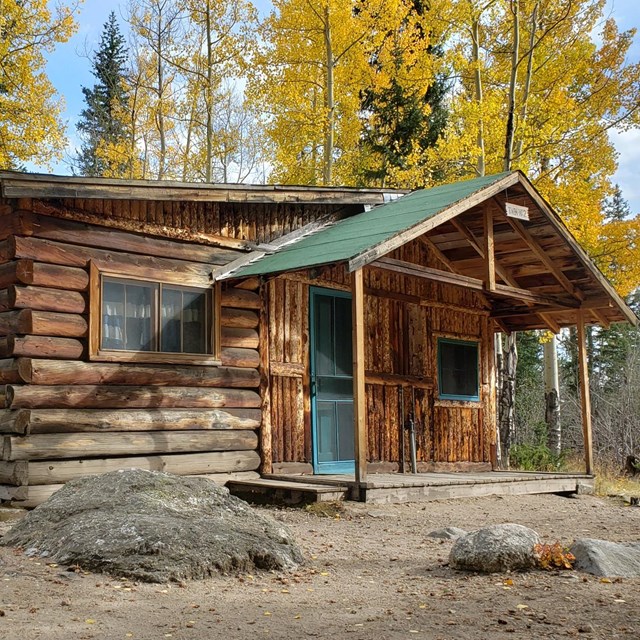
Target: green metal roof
<point>352,236</point>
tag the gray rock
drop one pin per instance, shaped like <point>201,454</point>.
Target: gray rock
<point>155,527</point>
<point>607,559</point>
<point>501,547</point>
<point>448,533</point>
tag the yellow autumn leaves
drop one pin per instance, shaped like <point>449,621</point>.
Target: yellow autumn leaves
<point>30,127</point>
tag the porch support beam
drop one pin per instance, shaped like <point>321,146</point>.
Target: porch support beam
<point>585,396</point>
<point>532,243</point>
<point>359,376</point>
<point>487,253</point>
<point>490,262</point>
<point>501,290</point>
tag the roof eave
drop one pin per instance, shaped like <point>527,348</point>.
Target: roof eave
<point>382,248</point>
<point>24,185</point>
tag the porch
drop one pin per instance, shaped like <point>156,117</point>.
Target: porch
<point>385,488</point>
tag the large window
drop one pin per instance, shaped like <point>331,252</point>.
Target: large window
<point>458,370</point>
<point>152,320</point>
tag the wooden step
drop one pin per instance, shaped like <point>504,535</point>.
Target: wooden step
<point>270,491</point>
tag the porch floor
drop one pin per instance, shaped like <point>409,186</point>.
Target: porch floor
<point>421,487</point>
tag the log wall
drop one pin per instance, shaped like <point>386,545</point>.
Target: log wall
<point>63,414</point>
<point>404,316</point>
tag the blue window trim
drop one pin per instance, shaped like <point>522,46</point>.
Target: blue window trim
<point>452,396</point>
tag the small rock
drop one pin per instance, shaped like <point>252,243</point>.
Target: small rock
<point>448,533</point>
<point>502,547</point>
<point>586,628</point>
<point>607,559</point>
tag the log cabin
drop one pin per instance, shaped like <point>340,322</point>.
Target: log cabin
<point>233,330</point>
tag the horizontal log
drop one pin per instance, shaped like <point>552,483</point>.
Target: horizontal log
<point>8,274</point>
<point>238,337</point>
<point>9,371</point>
<point>40,346</point>
<point>14,473</point>
<point>37,421</point>
<point>123,397</point>
<point>11,322</point>
<point>251,284</point>
<point>54,471</point>
<point>48,323</point>
<point>393,380</point>
<point>141,266</point>
<point>55,276</point>
<point>37,371</point>
<point>242,318</point>
<point>237,357</point>
<point>82,233</point>
<point>45,299</point>
<point>42,323</point>
<point>73,445</point>
<point>240,299</point>
<point>5,302</point>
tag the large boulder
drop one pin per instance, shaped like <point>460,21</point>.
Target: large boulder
<point>501,547</point>
<point>607,559</point>
<point>155,527</point>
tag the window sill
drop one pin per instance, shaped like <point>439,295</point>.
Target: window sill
<point>461,402</point>
<point>141,357</point>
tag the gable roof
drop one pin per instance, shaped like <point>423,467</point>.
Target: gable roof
<point>352,239</point>
<point>363,238</point>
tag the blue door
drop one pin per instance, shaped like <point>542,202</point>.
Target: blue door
<point>331,382</point>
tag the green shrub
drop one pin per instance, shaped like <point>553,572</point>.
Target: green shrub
<point>538,457</point>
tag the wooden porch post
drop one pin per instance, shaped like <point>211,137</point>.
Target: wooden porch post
<point>585,396</point>
<point>266,451</point>
<point>359,404</point>
<point>490,263</point>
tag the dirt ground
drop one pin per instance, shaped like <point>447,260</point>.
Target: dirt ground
<point>371,572</point>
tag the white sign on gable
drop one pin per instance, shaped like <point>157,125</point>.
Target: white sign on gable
<point>517,211</point>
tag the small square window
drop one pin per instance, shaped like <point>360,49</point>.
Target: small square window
<point>458,370</point>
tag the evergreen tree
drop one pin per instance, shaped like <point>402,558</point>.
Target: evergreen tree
<point>615,208</point>
<point>403,118</point>
<point>108,148</point>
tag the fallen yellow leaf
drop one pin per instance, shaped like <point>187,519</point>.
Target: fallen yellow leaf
<point>90,621</point>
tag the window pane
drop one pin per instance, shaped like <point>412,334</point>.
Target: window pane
<point>323,327</point>
<point>171,318</point>
<point>458,369</point>
<point>184,321</point>
<point>113,300</point>
<point>195,322</point>
<point>139,317</point>
<point>127,316</point>
<point>343,329</point>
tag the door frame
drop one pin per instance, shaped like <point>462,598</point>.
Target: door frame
<point>339,466</point>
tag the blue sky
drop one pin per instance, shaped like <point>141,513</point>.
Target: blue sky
<point>69,70</point>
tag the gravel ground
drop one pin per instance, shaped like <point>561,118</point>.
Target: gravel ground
<point>371,572</point>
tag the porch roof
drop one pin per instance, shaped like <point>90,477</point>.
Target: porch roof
<point>539,256</point>
<point>351,237</point>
